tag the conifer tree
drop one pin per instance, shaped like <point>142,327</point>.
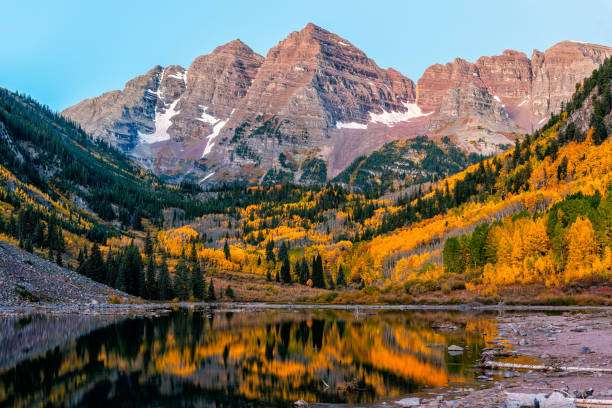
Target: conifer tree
<point>270,251</point>
<point>340,278</point>
<point>112,268</point>
<point>197,282</point>
<point>82,268</point>
<point>163,281</point>
<point>226,250</point>
<point>229,292</point>
<point>211,290</point>
<point>318,280</point>
<point>95,265</point>
<point>151,279</point>
<point>182,280</point>
<point>286,271</point>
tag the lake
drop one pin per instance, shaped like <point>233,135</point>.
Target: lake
<point>237,357</point>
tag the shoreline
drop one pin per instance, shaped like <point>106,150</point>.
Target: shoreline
<point>148,308</point>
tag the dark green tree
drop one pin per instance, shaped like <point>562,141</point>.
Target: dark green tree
<point>211,291</point>
<point>226,250</point>
<point>151,279</point>
<point>286,271</point>
<point>95,265</point>
<point>270,251</point>
<point>340,278</point>
<point>182,280</point>
<point>163,281</point>
<point>197,282</point>
<point>318,281</point>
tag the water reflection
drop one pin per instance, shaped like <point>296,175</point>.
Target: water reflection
<point>243,359</point>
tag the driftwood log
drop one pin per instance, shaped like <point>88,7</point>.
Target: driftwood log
<point>496,364</point>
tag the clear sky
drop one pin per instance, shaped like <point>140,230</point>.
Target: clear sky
<point>62,51</point>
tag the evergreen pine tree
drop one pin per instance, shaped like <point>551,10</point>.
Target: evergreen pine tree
<point>286,271</point>
<point>163,281</point>
<point>198,283</point>
<point>226,250</point>
<point>112,269</point>
<point>283,252</point>
<point>148,245</point>
<point>305,272</point>
<point>82,268</point>
<point>151,279</point>
<point>39,234</point>
<point>95,265</point>
<point>131,273</point>
<point>182,281</point>
<point>229,292</point>
<point>270,251</point>
<point>317,272</point>
<point>211,290</point>
<point>340,278</point>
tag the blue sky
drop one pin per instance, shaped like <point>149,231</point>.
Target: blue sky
<point>62,51</point>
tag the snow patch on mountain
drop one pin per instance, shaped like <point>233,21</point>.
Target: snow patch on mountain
<point>350,125</point>
<point>179,75</point>
<point>207,118</point>
<point>391,118</point>
<point>163,121</point>
<point>217,125</point>
<point>207,177</point>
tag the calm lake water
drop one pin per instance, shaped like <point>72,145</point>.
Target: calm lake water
<point>240,358</point>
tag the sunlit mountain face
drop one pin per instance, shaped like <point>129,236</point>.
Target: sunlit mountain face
<point>269,358</point>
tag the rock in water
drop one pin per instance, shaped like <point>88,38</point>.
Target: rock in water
<point>408,402</point>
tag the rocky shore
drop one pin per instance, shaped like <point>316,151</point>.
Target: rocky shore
<point>570,339</point>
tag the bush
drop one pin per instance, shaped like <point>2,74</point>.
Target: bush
<point>114,300</point>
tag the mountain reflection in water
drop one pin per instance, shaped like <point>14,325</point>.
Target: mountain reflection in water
<point>250,358</point>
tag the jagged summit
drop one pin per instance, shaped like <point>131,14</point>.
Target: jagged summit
<point>316,102</point>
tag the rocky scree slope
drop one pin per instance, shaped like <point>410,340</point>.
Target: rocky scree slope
<point>26,278</point>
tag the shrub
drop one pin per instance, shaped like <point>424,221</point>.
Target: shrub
<point>114,300</point>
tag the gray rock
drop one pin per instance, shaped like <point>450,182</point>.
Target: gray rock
<point>554,400</point>
<point>408,402</point>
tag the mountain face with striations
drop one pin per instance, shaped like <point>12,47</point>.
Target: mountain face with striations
<point>315,103</point>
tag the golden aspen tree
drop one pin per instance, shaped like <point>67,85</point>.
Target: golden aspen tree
<point>582,249</point>
<point>535,239</point>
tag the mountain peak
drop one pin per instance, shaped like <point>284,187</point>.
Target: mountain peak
<point>233,47</point>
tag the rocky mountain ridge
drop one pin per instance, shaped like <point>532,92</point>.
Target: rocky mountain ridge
<point>315,103</point>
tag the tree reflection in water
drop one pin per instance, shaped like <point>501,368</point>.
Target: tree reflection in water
<point>242,359</point>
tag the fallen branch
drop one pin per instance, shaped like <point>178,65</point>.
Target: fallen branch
<point>592,403</point>
<point>497,364</point>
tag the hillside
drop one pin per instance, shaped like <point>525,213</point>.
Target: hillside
<point>54,180</point>
<point>315,103</point>
<point>27,279</point>
<point>536,217</point>
<point>405,163</point>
